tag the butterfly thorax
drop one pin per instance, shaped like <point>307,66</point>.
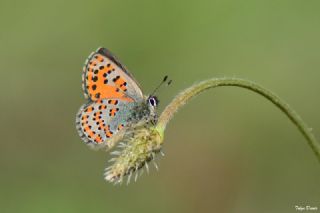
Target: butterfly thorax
<point>143,111</point>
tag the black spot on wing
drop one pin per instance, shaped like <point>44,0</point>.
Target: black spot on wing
<point>105,52</point>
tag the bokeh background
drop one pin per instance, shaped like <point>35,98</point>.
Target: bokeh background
<point>228,150</point>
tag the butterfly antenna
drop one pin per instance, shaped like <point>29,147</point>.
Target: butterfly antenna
<point>161,83</point>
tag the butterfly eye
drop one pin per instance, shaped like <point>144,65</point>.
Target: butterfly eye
<point>153,101</point>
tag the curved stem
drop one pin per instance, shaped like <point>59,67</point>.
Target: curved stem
<point>194,90</point>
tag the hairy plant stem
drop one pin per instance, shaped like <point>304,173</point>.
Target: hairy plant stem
<point>194,90</point>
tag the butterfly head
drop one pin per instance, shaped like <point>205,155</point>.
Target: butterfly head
<point>153,101</point>
<point>151,104</point>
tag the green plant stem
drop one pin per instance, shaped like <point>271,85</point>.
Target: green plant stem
<point>194,90</point>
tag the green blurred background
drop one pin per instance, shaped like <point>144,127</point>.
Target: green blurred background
<point>228,150</point>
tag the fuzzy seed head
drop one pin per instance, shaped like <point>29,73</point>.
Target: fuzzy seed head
<point>140,146</point>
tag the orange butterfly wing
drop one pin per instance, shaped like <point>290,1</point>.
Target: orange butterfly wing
<point>105,77</point>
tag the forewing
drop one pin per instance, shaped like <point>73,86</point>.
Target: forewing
<point>105,77</point>
<point>98,123</point>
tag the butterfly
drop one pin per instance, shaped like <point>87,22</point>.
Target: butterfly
<point>115,101</point>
